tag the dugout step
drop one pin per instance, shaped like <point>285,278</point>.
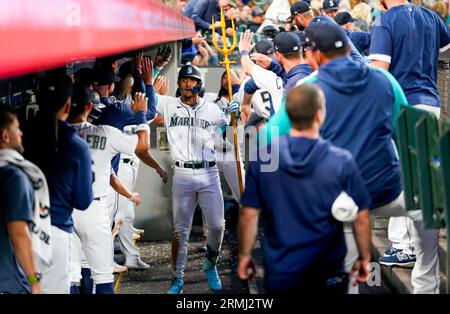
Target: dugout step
<point>399,279</point>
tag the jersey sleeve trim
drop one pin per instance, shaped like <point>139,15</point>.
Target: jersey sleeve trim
<point>445,48</point>
<point>381,57</point>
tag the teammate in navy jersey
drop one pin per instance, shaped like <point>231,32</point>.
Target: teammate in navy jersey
<point>66,161</point>
<point>297,256</point>
<point>406,40</point>
<point>303,16</point>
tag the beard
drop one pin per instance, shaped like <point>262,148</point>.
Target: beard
<point>19,148</point>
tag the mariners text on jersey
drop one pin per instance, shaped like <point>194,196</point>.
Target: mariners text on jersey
<point>175,120</point>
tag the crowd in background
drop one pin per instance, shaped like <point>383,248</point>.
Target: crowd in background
<point>265,18</point>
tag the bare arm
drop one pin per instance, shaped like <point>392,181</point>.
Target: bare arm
<point>148,159</point>
<point>23,249</point>
<point>361,229</point>
<point>380,64</point>
<point>247,228</point>
<point>245,44</point>
<point>120,188</point>
<point>246,108</point>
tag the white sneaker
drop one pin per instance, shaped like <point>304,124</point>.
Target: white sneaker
<point>137,265</point>
<point>138,231</point>
<point>119,269</point>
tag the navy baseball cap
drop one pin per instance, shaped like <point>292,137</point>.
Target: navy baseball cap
<point>265,47</point>
<point>299,7</point>
<point>80,96</point>
<point>302,36</point>
<point>257,11</point>
<point>329,5</point>
<point>343,18</point>
<point>104,75</point>
<point>54,89</point>
<point>286,43</point>
<point>326,37</point>
<point>84,76</point>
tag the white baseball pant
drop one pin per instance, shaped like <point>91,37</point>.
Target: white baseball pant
<point>226,162</point>
<point>400,229</point>
<point>78,260</point>
<point>352,255</point>
<point>56,275</point>
<point>125,210</point>
<point>93,228</point>
<point>425,274</point>
<point>191,187</point>
<point>400,233</point>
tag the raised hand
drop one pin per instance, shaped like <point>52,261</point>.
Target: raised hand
<point>161,85</point>
<point>261,60</point>
<point>147,70</point>
<point>245,42</point>
<point>163,56</point>
<point>139,102</point>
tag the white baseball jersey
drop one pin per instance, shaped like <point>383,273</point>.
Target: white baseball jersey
<point>222,102</point>
<point>190,130</point>
<point>104,142</point>
<point>260,100</point>
<point>271,85</point>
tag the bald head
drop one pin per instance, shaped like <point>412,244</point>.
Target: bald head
<point>304,105</point>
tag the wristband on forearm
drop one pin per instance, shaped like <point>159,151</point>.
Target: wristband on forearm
<point>244,53</point>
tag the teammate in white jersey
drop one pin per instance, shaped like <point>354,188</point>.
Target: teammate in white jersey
<point>263,79</point>
<point>92,226</point>
<point>191,125</point>
<point>226,161</point>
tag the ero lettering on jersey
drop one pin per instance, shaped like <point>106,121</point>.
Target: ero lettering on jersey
<point>96,142</point>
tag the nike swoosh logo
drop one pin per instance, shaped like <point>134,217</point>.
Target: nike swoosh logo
<point>179,107</point>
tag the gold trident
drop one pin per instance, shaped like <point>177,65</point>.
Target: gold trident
<point>225,51</point>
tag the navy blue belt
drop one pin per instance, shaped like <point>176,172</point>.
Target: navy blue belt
<point>195,165</point>
<point>127,160</point>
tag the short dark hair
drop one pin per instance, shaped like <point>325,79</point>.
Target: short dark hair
<point>302,104</point>
<point>7,118</point>
<point>342,52</point>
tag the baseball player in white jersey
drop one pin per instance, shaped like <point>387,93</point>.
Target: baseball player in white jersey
<point>92,226</point>
<point>259,98</point>
<point>191,124</point>
<point>123,209</point>
<point>226,161</point>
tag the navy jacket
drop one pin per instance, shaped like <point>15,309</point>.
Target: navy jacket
<point>359,119</point>
<point>203,12</point>
<point>301,237</point>
<point>354,53</point>
<point>361,40</point>
<point>70,180</point>
<point>296,74</point>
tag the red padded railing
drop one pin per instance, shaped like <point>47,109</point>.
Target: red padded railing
<point>38,34</point>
